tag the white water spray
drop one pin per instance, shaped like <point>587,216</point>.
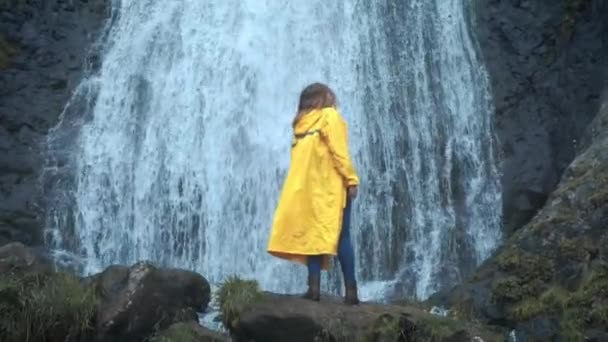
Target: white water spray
<point>184,134</point>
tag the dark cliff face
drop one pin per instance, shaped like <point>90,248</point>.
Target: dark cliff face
<point>545,59</point>
<point>550,279</point>
<point>43,50</point>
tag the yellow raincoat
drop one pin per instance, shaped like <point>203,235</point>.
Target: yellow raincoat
<point>308,218</point>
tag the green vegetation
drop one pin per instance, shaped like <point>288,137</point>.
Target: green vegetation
<point>183,332</point>
<point>7,51</point>
<point>234,296</point>
<point>11,3</point>
<point>435,328</point>
<point>36,306</point>
<point>589,304</point>
<point>550,302</point>
<point>585,308</point>
<point>528,275</point>
<point>386,327</point>
<point>572,10</point>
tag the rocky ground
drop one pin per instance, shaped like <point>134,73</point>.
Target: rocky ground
<point>146,303</point>
<point>251,315</point>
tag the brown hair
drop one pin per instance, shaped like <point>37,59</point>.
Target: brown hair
<point>314,96</point>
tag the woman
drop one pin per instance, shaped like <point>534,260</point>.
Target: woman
<point>312,219</point>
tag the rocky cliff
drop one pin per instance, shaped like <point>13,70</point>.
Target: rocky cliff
<point>545,60</point>
<point>550,279</point>
<point>44,46</point>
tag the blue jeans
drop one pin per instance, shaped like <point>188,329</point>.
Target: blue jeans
<point>346,254</point>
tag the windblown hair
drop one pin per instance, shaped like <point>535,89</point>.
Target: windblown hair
<point>314,96</point>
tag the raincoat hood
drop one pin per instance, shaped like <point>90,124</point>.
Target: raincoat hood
<point>309,120</point>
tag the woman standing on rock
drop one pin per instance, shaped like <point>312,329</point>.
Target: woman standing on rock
<point>312,219</point>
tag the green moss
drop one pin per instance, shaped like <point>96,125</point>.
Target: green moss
<point>527,309</point>
<point>509,259</point>
<point>508,290</point>
<point>572,11</point>
<point>527,275</point>
<point>585,308</point>
<point>551,302</point>
<point>462,310</point>
<point>234,296</point>
<point>12,3</point>
<point>33,306</point>
<point>514,289</point>
<point>7,51</point>
<point>591,300</point>
<point>526,266</point>
<point>572,325</point>
<point>572,249</point>
<point>599,198</point>
<point>386,328</point>
<point>435,328</point>
<point>336,330</point>
<point>184,332</point>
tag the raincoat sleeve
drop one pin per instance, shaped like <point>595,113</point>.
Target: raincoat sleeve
<point>334,133</point>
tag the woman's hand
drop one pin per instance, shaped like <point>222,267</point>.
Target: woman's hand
<point>352,191</point>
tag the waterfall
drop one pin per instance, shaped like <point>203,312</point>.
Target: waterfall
<point>175,148</point>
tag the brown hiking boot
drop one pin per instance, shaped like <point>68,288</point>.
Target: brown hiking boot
<point>314,288</point>
<point>351,297</point>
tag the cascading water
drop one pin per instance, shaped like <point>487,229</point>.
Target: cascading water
<point>183,138</point>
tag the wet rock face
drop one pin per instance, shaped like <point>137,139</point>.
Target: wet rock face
<point>549,280</point>
<point>43,49</point>
<point>545,60</point>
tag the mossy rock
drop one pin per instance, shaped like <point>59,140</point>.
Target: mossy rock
<point>187,332</point>
<point>44,306</point>
<point>590,302</point>
<point>526,266</point>
<point>577,311</point>
<point>5,4</point>
<point>572,11</point>
<point>234,296</point>
<point>434,328</point>
<point>7,52</point>
<point>551,302</point>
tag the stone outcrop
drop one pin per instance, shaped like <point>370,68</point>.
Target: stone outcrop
<point>549,281</point>
<point>546,62</point>
<point>138,300</point>
<point>251,316</point>
<point>44,52</point>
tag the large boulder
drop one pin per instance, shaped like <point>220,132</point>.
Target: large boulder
<point>137,301</point>
<point>550,279</point>
<point>253,316</point>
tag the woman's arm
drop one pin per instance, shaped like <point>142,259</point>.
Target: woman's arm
<point>334,132</point>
